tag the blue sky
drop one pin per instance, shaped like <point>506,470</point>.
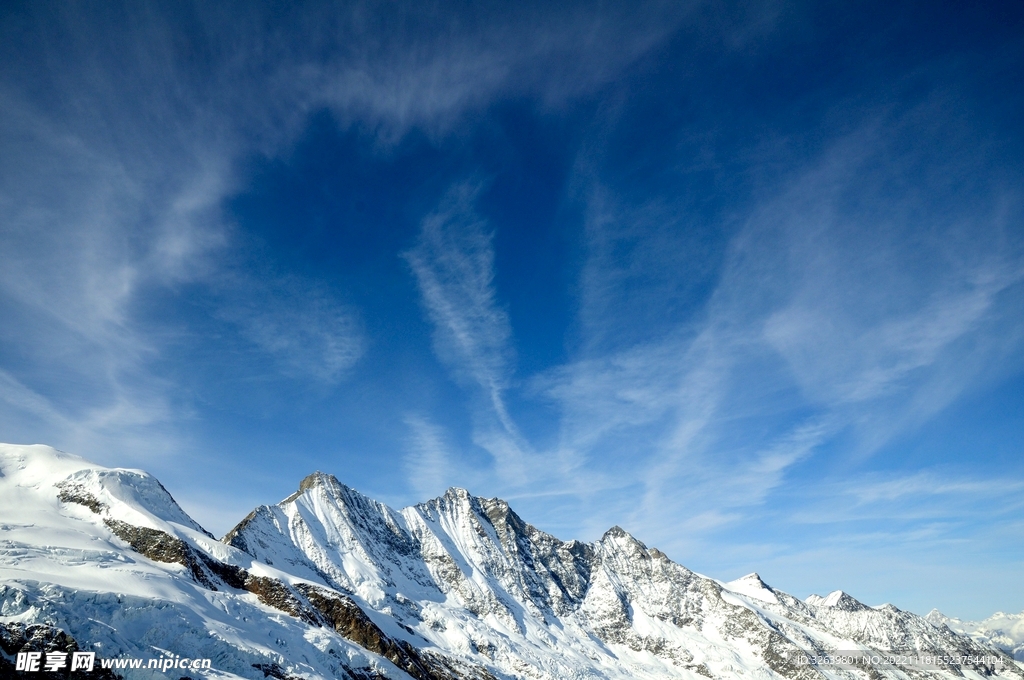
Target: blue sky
<point>748,282</point>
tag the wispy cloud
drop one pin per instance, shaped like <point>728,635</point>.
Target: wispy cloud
<point>307,331</point>
<point>812,337</point>
<point>125,133</point>
<point>114,185</point>
<point>825,328</point>
<point>26,402</point>
<point>453,262</point>
<point>83,233</point>
<point>432,463</point>
<point>937,493</point>
<point>401,81</point>
<point>454,266</point>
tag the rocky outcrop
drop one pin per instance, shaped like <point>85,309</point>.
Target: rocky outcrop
<point>18,637</point>
<point>160,546</point>
<point>76,493</point>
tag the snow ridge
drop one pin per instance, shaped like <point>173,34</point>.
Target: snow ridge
<point>331,584</point>
<point>471,578</point>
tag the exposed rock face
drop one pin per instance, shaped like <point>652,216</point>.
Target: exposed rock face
<point>160,547</point>
<point>77,493</point>
<point>18,637</point>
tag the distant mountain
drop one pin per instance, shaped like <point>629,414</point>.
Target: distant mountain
<point>331,584</point>
<point>1001,631</point>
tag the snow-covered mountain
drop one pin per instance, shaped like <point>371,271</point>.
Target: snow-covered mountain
<point>1002,631</point>
<point>331,584</point>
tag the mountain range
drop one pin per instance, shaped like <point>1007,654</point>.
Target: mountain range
<point>331,584</point>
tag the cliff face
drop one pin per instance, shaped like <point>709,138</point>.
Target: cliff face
<point>331,584</point>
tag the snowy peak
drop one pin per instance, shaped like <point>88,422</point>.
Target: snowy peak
<point>452,503</point>
<point>752,586</point>
<point>1002,631</point>
<point>318,479</point>
<point>325,532</point>
<point>126,495</point>
<point>837,599</point>
<point>618,539</point>
<point>458,503</point>
<point>752,579</point>
<point>617,533</point>
<point>326,486</point>
<point>32,478</point>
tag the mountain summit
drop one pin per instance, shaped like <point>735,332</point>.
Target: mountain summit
<point>329,583</point>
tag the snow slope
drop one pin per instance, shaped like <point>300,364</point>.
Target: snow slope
<point>331,584</point>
